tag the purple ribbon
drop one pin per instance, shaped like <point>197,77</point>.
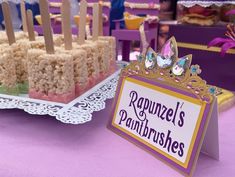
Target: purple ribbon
<point>231,12</point>
<point>226,47</point>
<point>224,43</point>
<point>219,41</point>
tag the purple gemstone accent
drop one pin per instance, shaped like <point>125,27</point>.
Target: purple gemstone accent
<point>167,50</point>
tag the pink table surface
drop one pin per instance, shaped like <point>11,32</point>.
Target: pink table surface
<point>40,146</point>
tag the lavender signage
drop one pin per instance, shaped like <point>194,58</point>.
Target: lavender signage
<point>168,122</point>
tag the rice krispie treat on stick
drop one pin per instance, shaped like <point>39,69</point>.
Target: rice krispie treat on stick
<point>112,54</point>
<point>111,40</point>
<point>90,48</point>
<point>106,44</point>
<point>19,51</point>
<point>51,74</point>
<point>102,46</point>
<point>20,54</point>
<point>92,61</point>
<point>78,55</point>
<point>8,78</point>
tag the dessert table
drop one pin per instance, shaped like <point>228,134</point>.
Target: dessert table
<point>40,146</point>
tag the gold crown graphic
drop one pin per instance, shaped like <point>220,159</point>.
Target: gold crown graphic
<point>167,67</point>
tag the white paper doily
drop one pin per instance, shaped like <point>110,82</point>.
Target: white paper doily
<point>31,106</point>
<point>203,3</point>
<point>78,111</point>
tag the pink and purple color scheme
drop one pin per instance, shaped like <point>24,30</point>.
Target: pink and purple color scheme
<point>126,36</point>
<point>40,146</point>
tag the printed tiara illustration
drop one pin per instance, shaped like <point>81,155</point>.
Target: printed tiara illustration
<point>166,66</point>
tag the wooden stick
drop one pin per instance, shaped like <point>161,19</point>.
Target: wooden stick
<point>95,22</point>
<point>30,26</point>
<point>66,24</point>
<point>23,15</point>
<point>82,22</point>
<point>8,23</point>
<point>46,26</point>
<point>100,19</point>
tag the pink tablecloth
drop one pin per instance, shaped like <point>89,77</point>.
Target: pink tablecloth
<point>40,146</point>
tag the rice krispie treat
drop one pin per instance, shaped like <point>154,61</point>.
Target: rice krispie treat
<point>91,61</point>
<point>19,55</point>
<point>112,45</point>
<point>110,58</point>
<point>20,52</point>
<point>112,50</point>
<point>103,55</point>
<point>8,84</point>
<point>80,69</point>
<point>51,76</point>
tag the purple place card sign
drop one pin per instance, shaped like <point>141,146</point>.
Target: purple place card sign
<point>166,121</point>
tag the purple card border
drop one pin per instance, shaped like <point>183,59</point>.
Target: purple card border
<point>156,154</point>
